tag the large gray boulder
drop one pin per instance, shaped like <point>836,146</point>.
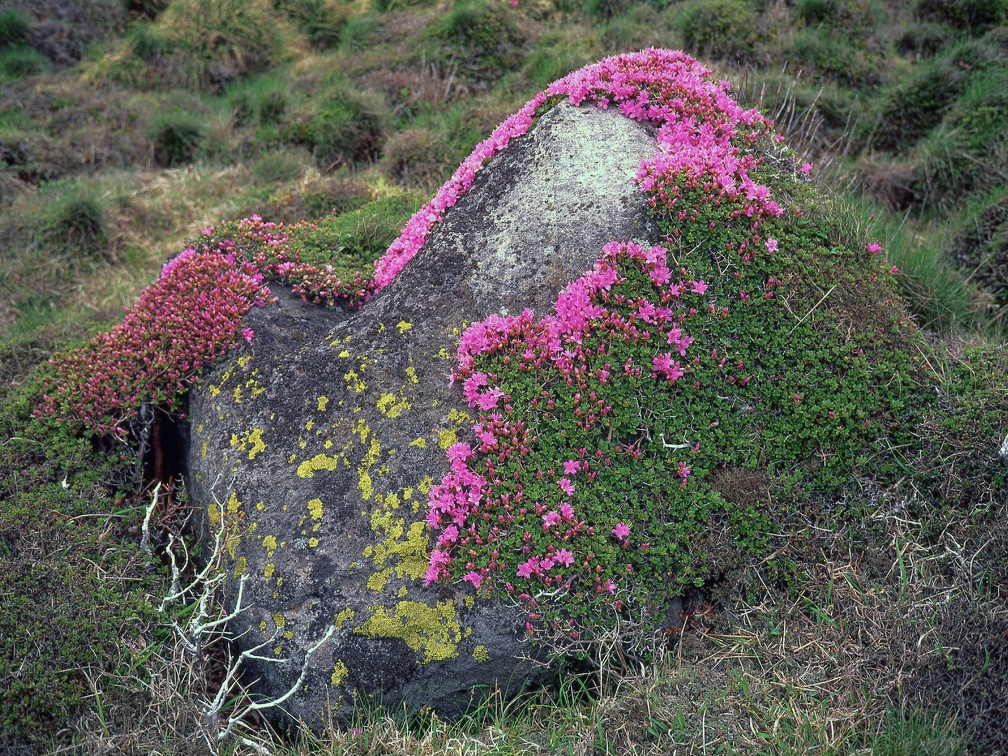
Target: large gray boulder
<point>322,438</point>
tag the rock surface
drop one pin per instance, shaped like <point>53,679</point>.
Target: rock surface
<point>322,439</point>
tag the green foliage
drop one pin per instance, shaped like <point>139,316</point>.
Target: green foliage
<point>967,432</point>
<point>20,60</point>
<point>965,153</point>
<point>75,222</point>
<point>201,45</point>
<point>417,158</point>
<point>278,167</point>
<point>923,38</point>
<point>970,15</point>
<point>606,9</point>
<point>149,9</point>
<point>919,731</point>
<point>482,36</point>
<point>148,41</point>
<point>912,108</point>
<point>321,21</point>
<point>357,33</point>
<point>817,11</point>
<point>830,53</point>
<point>13,27</point>
<point>272,107</point>
<point>979,249</point>
<point>718,28</point>
<point>177,137</point>
<point>347,127</point>
<point>553,60</point>
<point>72,601</point>
<point>352,241</point>
<point>637,29</point>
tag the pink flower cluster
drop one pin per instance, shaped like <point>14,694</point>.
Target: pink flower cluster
<point>267,245</point>
<point>465,509</point>
<point>188,317</point>
<point>706,143</point>
<point>667,89</point>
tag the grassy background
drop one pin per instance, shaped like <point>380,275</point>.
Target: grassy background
<point>128,126</point>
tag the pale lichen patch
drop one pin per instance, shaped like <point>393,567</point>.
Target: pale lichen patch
<point>433,630</point>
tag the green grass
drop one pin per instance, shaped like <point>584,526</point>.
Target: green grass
<point>13,27</point>
<point>199,44</point>
<point>718,28</point>
<point>19,61</point>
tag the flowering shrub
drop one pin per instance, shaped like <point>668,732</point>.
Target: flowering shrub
<point>269,247</point>
<point>193,312</point>
<point>659,87</point>
<point>590,483</point>
<point>187,318</point>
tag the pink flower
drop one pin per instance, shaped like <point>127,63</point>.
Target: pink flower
<point>566,512</point>
<point>459,452</point>
<point>621,531</point>
<point>571,466</point>
<point>551,518</point>
<point>771,245</point>
<point>609,586</point>
<point>529,568</point>
<point>875,248</point>
<point>806,168</point>
<point>565,557</point>
<point>699,287</point>
<point>566,485</point>
<point>475,578</point>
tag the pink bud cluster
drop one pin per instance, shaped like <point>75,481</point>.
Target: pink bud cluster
<point>184,320</point>
<point>187,318</point>
<point>666,89</point>
<point>267,245</point>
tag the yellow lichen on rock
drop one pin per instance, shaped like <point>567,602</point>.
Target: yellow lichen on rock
<point>434,630</point>
<point>354,382</point>
<point>392,407</point>
<point>342,617</point>
<point>322,402</point>
<point>403,326</point>
<point>258,445</point>
<point>378,580</point>
<point>340,671</point>
<point>318,462</point>
<point>315,508</point>
<point>270,544</point>
<point>480,653</point>
<point>253,439</point>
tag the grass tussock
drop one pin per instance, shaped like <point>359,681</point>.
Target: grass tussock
<point>202,45</point>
